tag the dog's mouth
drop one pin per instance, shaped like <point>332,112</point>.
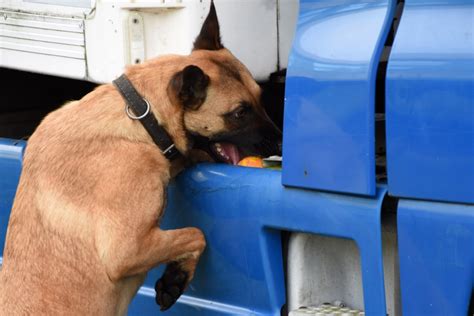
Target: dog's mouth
<point>226,152</point>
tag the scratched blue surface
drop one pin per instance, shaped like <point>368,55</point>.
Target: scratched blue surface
<point>329,136</point>
<point>436,252</point>
<point>241,212</point>
<point>430,102</point>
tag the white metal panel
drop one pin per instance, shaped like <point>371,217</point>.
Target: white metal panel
<point>40,21</point>
<point>249,30</point>
<point>287,17</point>
<point>47,64</point>
<point>107,45</point>
<point>172,31</point>
<point>50,9</point>
<point>50,36</point>
<point>39,47</point>
<point>151,4</point>
<point>69,3</point>
<point>46,44</point>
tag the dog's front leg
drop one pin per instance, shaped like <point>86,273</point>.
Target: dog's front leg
<point>178,273</point>
<point>180,269</point>
<point>127,258</point>
<point>179,248</point>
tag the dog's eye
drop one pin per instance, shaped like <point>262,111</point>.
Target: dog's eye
<point>241,112</point>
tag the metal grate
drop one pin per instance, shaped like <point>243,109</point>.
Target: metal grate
<point>326,309</point>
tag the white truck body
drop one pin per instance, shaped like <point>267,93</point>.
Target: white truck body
<point>95,40</point>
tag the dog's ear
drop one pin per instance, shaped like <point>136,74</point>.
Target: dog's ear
<point>210,37</point>
<point>189,87</point>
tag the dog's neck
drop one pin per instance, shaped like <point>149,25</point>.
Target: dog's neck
<point>168,113</point>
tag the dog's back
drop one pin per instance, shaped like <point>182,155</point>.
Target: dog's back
<point>51,265</point>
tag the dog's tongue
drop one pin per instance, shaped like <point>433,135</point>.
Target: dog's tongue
<point>231,151</point>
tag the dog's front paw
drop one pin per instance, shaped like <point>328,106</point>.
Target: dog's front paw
<point>170,286</point>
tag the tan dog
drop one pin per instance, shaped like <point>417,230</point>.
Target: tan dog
<point>82,233</point>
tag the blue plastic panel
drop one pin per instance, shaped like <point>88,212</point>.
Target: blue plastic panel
<point>241,212</point>
<point>430,102</point>
<point>329,133</point>
<point>11,156</point>
<point>436,251</point>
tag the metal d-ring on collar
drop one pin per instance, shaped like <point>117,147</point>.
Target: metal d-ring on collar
<point>137,104</point>
<point>133,117</point>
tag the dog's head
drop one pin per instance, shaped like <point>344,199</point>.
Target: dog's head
<point>223,115</point>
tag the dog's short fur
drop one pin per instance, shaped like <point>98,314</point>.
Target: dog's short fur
<point>82,232</point>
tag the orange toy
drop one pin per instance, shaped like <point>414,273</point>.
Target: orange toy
<point>251,161</point>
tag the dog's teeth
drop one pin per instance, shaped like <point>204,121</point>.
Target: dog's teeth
<point>219,149</point>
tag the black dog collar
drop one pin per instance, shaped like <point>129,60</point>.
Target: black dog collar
<point>140,105</point>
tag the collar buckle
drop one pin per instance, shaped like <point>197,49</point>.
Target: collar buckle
<point>170,152</point>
